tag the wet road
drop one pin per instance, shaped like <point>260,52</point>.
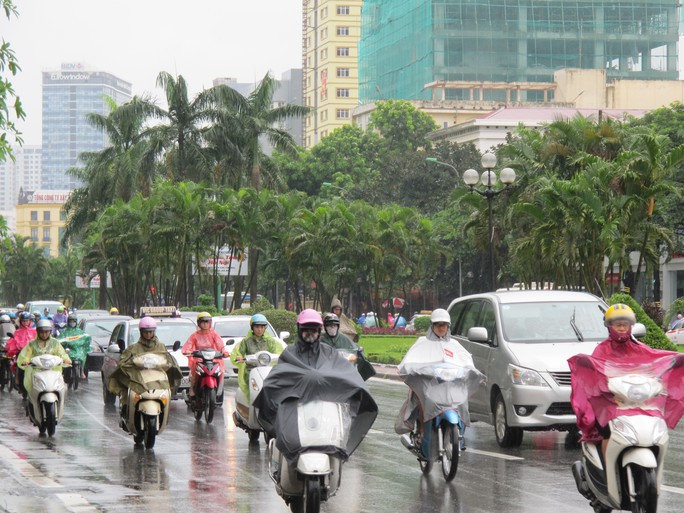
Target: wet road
<point>91,465</point>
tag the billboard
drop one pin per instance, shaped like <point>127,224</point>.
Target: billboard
<point>227,264</point>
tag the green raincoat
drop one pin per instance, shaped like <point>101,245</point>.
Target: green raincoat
<point>250,345</point>
<point>77,342</point>
<point>127,375</point>
<point>34,348</point>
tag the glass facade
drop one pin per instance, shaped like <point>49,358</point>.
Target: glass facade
<point>69,95</point>
<point>406,44</point>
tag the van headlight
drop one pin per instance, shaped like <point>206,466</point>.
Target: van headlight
<point>525,377</point>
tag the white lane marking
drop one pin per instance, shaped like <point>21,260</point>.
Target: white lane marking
<point>26,469</point>
<point>474,451</point>
<point>672,489</point>
<point>76,503</point>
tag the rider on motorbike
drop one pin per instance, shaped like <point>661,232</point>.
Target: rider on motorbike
<point>256,340</point>
<point>620,346</point>
<point>77,340</point>
<point>127,374</point>
<point>22,335</point>
<point>6,326</point>
<point>44,343</point>
<point>59,320</point>
<point>205,337</point>
<point>437,337</point>
<point>334,337</point>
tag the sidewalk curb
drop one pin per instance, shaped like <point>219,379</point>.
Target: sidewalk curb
<point>386,371</point>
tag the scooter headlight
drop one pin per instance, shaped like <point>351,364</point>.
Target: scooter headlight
<point>660,433</point>
<point>39,384</point>
<point>264,359</point>
<point>625,431</point>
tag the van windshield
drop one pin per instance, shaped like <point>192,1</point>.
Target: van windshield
<point>553,322</point>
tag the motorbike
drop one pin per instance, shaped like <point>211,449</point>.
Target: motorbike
<point>77,347</point>
<point>322,414</point>
<point>145,410</point>
<point>244,414</point>
<point>441,378</point>
<point>46,396</point>
<point>632,399</point>
<point>6,377</point>
<point>208,383</point>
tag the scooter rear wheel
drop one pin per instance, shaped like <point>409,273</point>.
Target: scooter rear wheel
<point>76,373</point>
<point>451,453</point>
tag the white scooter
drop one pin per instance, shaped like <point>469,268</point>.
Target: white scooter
<point>630,477</point>
<point>145,415</point>
<point>46,396</point>
<point>244,415</point>
<point>316,476</point>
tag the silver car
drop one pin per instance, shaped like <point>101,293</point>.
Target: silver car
<point>521,340</point>
<point>233,328</point>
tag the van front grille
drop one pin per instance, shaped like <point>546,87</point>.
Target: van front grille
<point>562,379</point>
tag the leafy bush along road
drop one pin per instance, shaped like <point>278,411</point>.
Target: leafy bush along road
<point>386,348</point>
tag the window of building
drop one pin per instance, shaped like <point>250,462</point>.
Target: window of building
<point>46,215</point>
<point>445,124</point>
<point>324,13</point>
<point>342,10</point>
<point>324,94</point>
<point>342,31</point>
<point>324,54</point>
<point>342,113</point>
<point>342,51</point>
<point>343,93</point>
<point>324,133</point>
<point>62,215</point>
<point>342,72</point>
<point>34,215</point>
<point>34,234</point>
<point>324,33</point>
<point>46,234</point>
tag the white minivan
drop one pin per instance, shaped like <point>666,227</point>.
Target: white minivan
<point>521,340</point>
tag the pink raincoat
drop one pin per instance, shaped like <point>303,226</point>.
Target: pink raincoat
<point>202,339</point>
<point>592,399</point>
<point>22,336</point>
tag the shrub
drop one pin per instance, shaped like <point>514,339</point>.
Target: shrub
<point>386,331</point>
<point>422,324</point>
<point>654,335</point>
<point>205,300</point>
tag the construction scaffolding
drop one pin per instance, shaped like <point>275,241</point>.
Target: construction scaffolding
<point>407,44</point>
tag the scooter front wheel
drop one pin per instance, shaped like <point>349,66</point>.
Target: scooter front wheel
<point>150,434</point>
<point>209,404</point>
<point>50,418</point>
<point>645,486</point>
<point>450,443</point>
<point>76,373</point>
<point>312,495</point>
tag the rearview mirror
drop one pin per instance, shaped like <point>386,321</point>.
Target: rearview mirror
<point>477,334</point>
<point>284,335</point>
<point>176,345</point>
<point>639,330</point>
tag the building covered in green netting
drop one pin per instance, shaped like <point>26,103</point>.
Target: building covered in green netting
<point>406,44</point>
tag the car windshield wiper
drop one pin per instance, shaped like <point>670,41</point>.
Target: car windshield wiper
<point>575,328</point>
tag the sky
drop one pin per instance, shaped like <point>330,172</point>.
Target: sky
<point>136,39</point>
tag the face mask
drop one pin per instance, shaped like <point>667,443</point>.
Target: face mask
<point>309,336</point>
<point>620,337</point>
<point>331,330</point>
<point>72,324</point>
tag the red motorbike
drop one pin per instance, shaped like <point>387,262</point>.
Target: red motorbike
<point>208,382</point>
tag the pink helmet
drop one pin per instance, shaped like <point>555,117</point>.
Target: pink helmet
<point>309,316</point>
<point>147,323</point>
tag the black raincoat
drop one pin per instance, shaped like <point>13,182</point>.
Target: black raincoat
<point>309,372</point>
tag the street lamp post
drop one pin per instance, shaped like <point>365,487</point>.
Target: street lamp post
<point>488,180</point>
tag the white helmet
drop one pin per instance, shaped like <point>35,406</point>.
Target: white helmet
<point>440,315</point>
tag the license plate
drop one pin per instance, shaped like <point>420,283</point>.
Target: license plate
<point>185,383</point>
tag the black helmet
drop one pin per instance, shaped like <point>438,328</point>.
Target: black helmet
<point>331,318</point>
<point>25,316</point>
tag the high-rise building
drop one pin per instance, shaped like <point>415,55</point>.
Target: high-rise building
<point>289,92</point>
<point>244,88</point>
<point>22,172</point>
<point>330,35</point>
<point>407,44</point>
<point>69,95</point>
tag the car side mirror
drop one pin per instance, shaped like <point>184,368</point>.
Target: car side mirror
<point>478,334</point>
<point>284,335</point>
<point>176,345</point>
<point>113,348</point>
<point>639,330</point>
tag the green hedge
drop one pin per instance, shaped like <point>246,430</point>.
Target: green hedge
<point>421,324</point>
<point>654,334</point>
